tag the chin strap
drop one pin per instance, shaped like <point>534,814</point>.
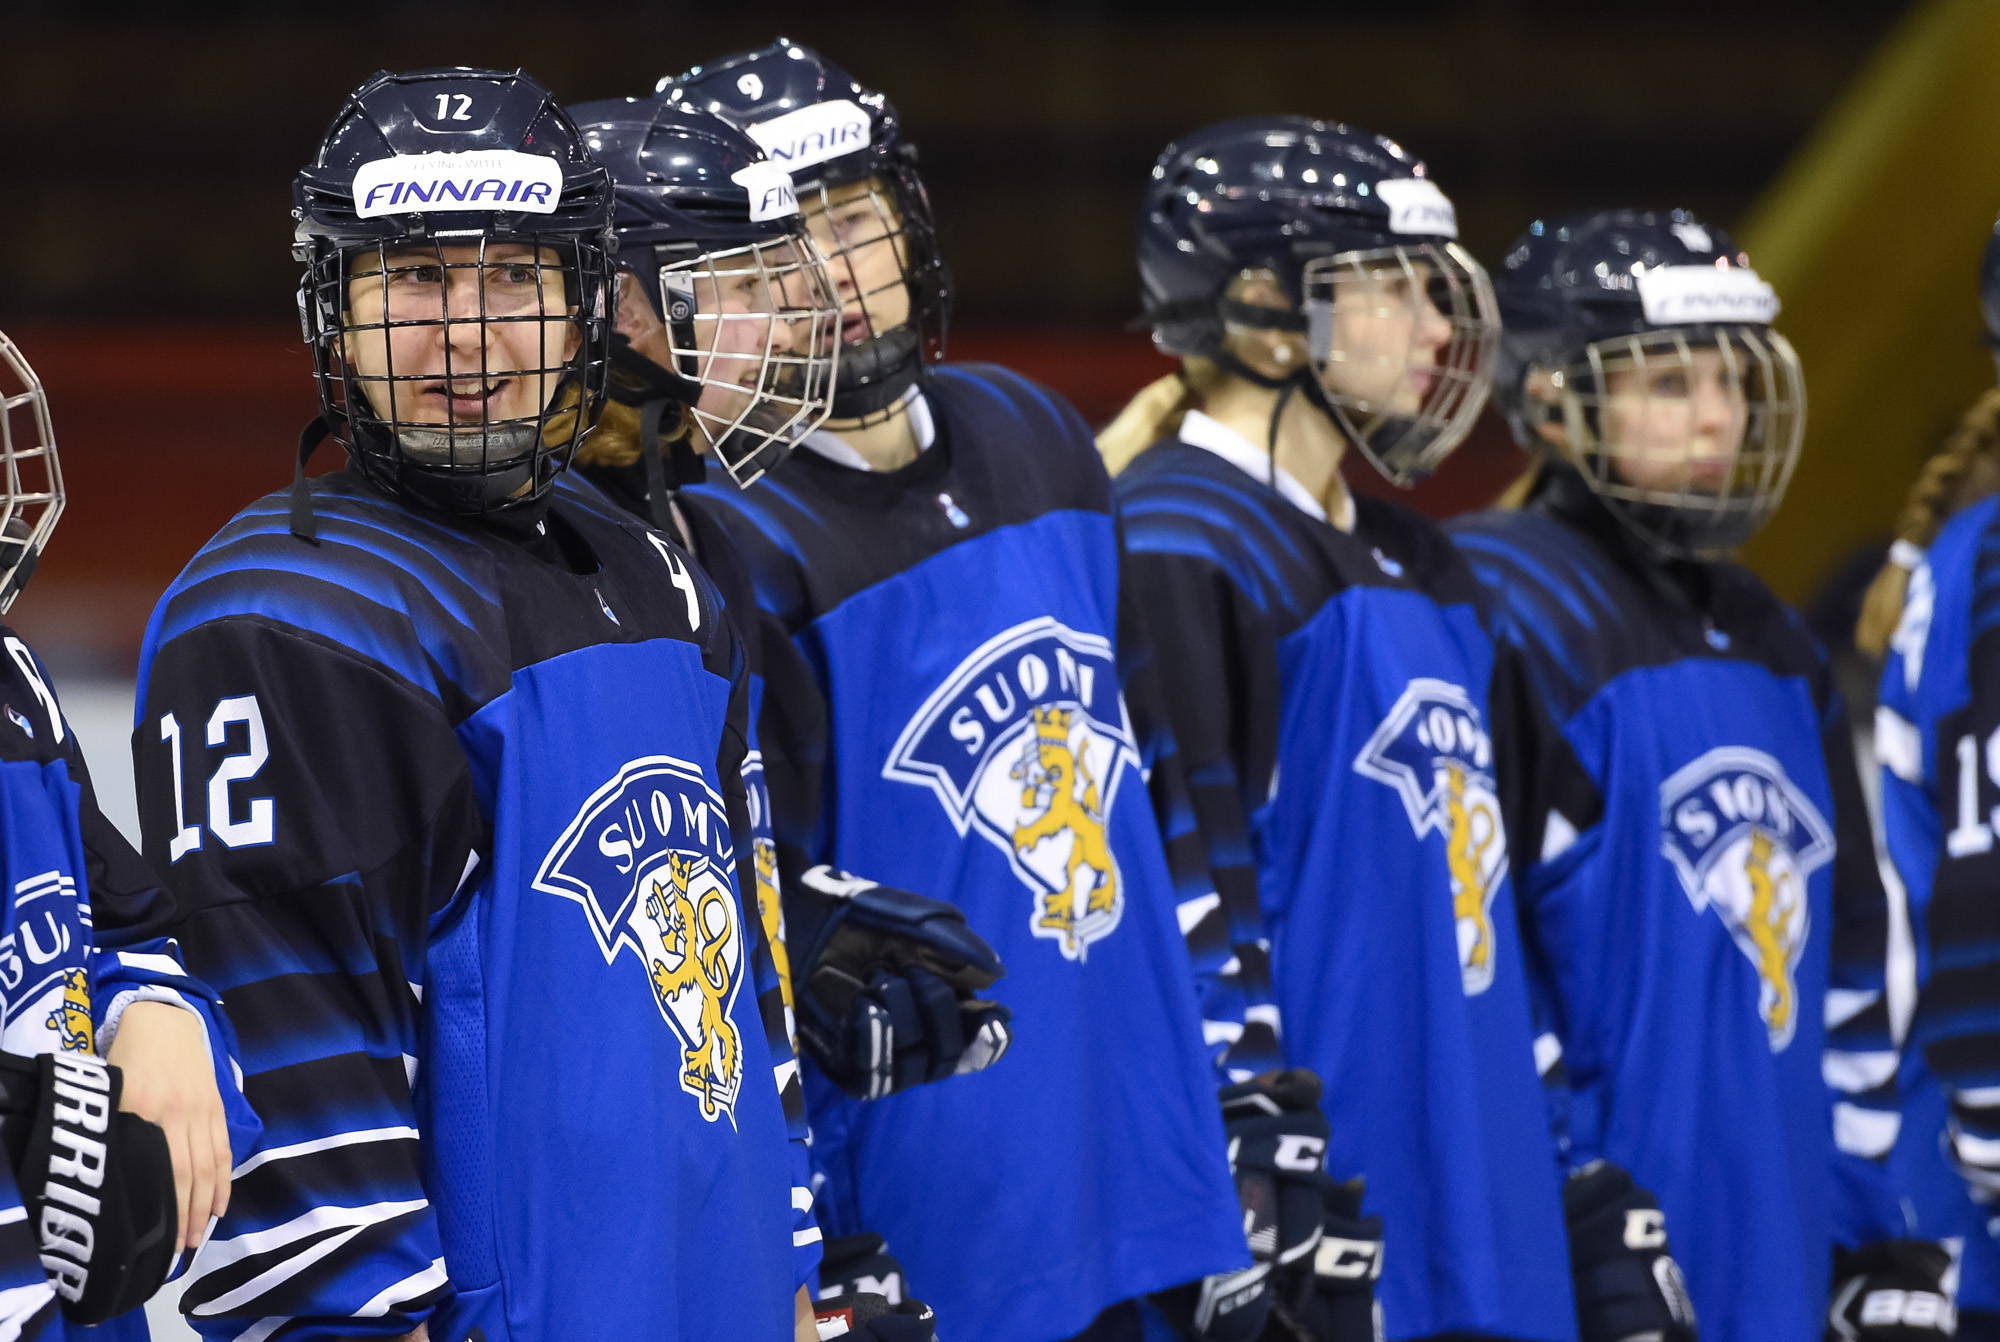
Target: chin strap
<point>686,462</point>
<point>304,526</point>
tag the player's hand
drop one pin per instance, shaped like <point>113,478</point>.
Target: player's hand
<point>886,985</point>
<point>162,1049</point>
<point>872,1318</point>
<point>860,1265</point>
<point>1346,1266</point>
<point>1891,1291</point>
<point>1628,1285</point>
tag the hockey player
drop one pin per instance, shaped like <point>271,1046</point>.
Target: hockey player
<point>99,1201</point>
<point>727,321</point>
<point>1713,938</point>
<point>1361,760</point>
<point>1940,702</point>
<point>945,559</point>
<point>449,784</point>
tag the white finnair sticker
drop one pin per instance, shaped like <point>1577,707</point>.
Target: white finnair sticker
<point>1676,295</point>
<point>814,134</point>
<point>1417,206</point>
<point>770,188</point>
<point>487,179</point>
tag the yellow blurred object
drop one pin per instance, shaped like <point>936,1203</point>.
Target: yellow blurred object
<point>1872,237</point>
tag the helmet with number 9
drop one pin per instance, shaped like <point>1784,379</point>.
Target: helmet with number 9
<point>859,190</point>
<point>456,237</point>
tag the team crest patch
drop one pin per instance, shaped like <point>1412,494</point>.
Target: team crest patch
<point>1434,750</point>
<point>1027,742</point>
<point>1744,840</point>
<point>650,860</point>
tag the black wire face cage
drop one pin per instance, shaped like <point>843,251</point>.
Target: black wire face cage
<point>33,497</point>
<point>881,249</point>
<point>460,370</point>
<point>1404,341</point>
<point>1688,435</point>
<point>757,329</point>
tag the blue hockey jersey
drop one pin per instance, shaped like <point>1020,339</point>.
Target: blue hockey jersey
<point>1353,768</point>
<point>1700,939</point>
<point>457,818</point>
<point>1939,704</point>
<point>961,617</point>
<point>81,939</point>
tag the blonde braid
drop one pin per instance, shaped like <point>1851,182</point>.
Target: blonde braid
<point>1156,412</point>
<point>1939,491</point>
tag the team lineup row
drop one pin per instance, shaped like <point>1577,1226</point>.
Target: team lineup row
<point>1169,896</point>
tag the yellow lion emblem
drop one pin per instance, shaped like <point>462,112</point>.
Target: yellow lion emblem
<point>771,913</point>
<point>1049,772</point>
<point>71,1020</point>
<point>1765,928</point>
<point>1474,829</point>
<point>691,934</point>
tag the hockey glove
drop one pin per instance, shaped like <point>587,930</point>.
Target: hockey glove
<point>1277,1151</point>
<point>1346,1266</point>
<point>885,982</point>
<point>1891,1291</point>
<point>1628,1286</point>
<point>870,1318</point>
<point>98,1185</point>
<point>860,1265</point>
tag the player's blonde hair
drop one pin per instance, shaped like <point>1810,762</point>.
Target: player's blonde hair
<point>1951,479</point>
<point>615,442</point>
<point>1157,411</point>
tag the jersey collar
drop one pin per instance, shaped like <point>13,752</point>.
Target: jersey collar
<point>835,450</point>
<point>1212,435</point>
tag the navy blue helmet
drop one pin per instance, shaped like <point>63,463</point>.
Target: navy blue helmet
<point>1362,246</point>
<point>858,185</point>
<point>1639,348</point>
<point>710,235</point>
<point>448,196</point>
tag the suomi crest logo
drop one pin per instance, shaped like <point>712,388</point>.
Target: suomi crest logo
<point>1744,840</point>
<point>650,860</point>
<point>1433,749</point>
<point>1027,742</point>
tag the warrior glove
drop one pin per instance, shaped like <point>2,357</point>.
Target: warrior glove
<point>885,985</point>
<point>860,1265</point>
<point>1277,1151</point>
<point>98,1184</point>
<point>1892,1291</point>
<point>1628,1286</point>
<point>871,1318</point>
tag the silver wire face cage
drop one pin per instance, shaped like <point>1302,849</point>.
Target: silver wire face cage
<point>892,318</point>
<point>757,328</point>
<point>33,482</point>
<point>461,371</point>
<point>1688,435</point>
<point>1404,340</point>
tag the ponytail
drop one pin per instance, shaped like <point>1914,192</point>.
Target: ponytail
<point>615,442</point>
<point>1933,498</point>
<point>1156,412</point>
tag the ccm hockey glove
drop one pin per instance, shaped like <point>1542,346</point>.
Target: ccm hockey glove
<point>98,1185</point>
<point>1891,1291</point>
<point>1346,1266</point>
<point>1277,1151</point>
<point>860,1265</point>
<point>870,1318</point>
<point>1628,1286</point>
<point>885,985</point>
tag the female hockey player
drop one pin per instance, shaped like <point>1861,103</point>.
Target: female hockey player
<point>727,322</point>
<point>945,559</point>
<point>96,1207</point>
<point>1361,762</point>
<point>1939,704</point>
<point>449,784</point>
<point>1713,939</point>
